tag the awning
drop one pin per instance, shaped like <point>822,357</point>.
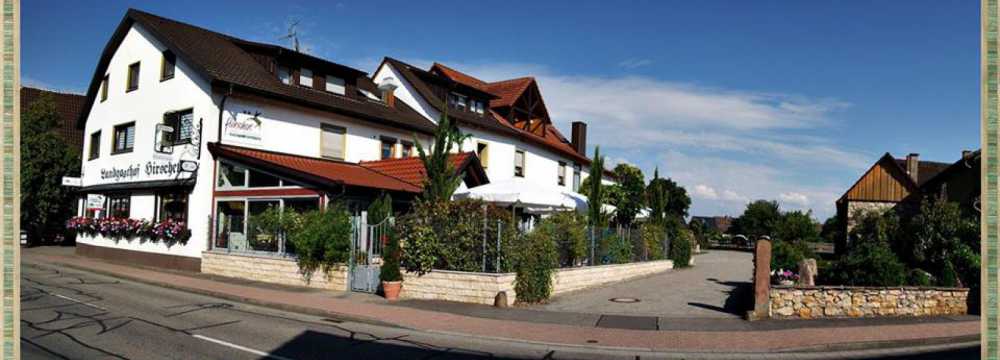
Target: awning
<point>317,171</point>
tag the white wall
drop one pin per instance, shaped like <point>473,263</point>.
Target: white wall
<point>296,130</point>
<point>146,106</point>
<point>406,92</point>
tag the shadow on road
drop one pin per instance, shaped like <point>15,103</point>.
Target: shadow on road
<point>738,300</point>
<point>312,344</point>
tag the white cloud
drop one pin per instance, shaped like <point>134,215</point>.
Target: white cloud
<point>635,63</point>
<point>794,198</point>
<point>704,192</point>
<point>29,81</point>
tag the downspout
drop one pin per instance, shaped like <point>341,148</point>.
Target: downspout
<point>222,109</point>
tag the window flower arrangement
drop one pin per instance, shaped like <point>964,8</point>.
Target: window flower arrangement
<point>783,277</point>
<point>168,230</point>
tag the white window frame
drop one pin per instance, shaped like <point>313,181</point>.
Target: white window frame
<point>284,75</point>
<point>337,86</point>
<point>306,77</point>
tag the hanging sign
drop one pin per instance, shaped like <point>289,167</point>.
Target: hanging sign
<point>95,201</point>
<point>72,181</point>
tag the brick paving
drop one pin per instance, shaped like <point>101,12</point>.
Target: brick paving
<point>336,305</point>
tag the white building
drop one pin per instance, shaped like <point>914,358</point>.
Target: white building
<point>509,125</point>
<point>254,125</point>
<point>187,124</point>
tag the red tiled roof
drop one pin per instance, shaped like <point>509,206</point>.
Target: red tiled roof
<point>508,90</point>
<point>315,170</point>
<point>459,76</point>
<point>411,169</point>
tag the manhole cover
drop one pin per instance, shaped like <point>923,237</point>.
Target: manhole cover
<point>626,300</point>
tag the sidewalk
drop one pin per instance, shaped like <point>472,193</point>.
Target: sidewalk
<point>530,326</point>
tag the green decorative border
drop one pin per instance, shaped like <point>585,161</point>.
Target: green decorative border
<point>988,198</point>
<point>9,231</point>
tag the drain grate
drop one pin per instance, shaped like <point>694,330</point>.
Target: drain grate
<point>628,322</point>
<point>624,300</point>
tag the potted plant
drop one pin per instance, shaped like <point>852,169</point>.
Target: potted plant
<point>784,277</point>
<point>392,278</point>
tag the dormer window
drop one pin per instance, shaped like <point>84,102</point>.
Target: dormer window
<point>306,77</point>
<point>335,85</point>
<point>477,106</point>
<point>285,75</point>
<point>458,101</point>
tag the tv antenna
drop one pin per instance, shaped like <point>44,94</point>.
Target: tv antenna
<point>293,34</point>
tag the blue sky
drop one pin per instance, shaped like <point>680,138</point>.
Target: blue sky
<point>737,100</point>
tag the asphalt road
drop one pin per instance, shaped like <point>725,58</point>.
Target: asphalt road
<point>70,314</point>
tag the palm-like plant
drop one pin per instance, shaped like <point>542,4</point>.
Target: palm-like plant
<point>442,180</point>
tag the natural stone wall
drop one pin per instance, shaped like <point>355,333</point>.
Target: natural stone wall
<point>482,288</point>
<point>838,301</point>
<point>284,271</point>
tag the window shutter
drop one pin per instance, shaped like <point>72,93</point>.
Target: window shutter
<point>332,142</point>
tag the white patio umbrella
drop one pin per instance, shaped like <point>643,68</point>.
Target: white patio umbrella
<point>532,197</point>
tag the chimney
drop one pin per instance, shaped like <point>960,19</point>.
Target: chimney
<point>579,138</point>
<point>913,166</point>
<point>388,89</point>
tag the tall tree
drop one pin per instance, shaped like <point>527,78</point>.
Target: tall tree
<point>442,179</point>
<point>595,192</point>
<point>631,193</point>
<point>656,198</point>
<point>797,226</point>
<point>45,159</point>
<point>760,218</point>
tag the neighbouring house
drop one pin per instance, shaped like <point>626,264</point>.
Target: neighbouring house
<point>68,105</point>
<point>887,183</point>
<point>718,223</point>
<point>186,124</point>
<point>960,183</point>
<point>508,123</point>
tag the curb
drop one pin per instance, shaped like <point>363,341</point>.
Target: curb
<point>828,351</point>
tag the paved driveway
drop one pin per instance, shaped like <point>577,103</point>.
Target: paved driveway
<point>718,286</point>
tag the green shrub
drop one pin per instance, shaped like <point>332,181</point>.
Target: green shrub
<point>652,239</point>
<point>390,260</point>
<point>322,239</point>
<point>619,250</point>
<point>787,255</point>
<point>918,277</point>
<point>380,209</point>
<point>451,236</point>
<point>680,248</point>
<point>534,263</point>
<point>570,236</point>
<point>867,264</point>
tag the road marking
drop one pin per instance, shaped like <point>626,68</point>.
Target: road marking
<point>240,347</point>
<point>78,301</point>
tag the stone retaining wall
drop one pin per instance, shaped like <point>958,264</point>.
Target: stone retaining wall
<point>284,271</point>
<point>572,279</point>
<point>482,288</point>
<point>468,287</point>
<point>843,301</point>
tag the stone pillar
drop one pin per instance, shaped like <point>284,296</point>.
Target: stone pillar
<point>761,280</point>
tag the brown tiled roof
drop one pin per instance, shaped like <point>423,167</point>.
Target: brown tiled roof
<point>314,170</point>
<point>69,106</point>
<point>411,169</point>
<point>225,60</point>
<point>459,76</point>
